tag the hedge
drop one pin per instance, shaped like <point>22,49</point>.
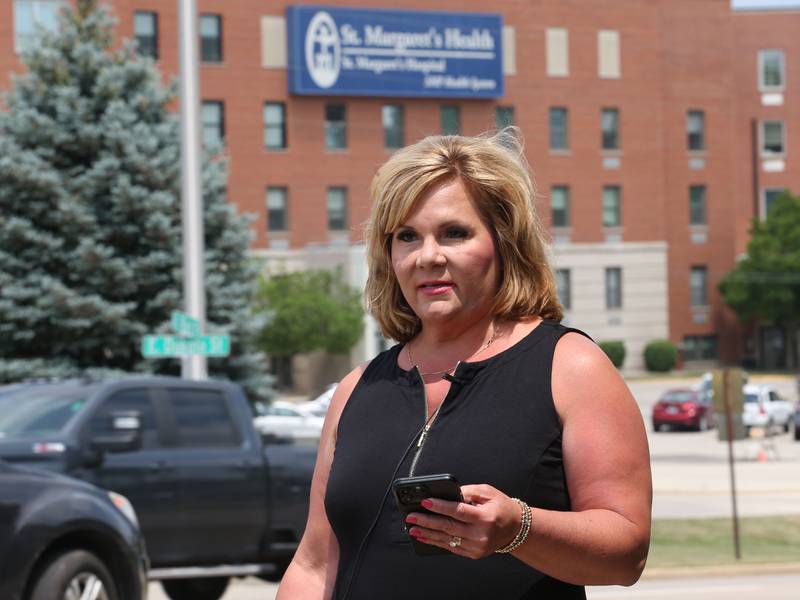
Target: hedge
<point>615,350</point>
<point>660,356</point>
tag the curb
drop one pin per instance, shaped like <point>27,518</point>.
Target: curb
<point>721,570</point>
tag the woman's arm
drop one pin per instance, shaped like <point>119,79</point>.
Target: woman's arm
<point>604,539</point>
<point>312,572</point>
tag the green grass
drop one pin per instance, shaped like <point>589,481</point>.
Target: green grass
<point>705,542</point>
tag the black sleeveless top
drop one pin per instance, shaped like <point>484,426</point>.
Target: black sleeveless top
<point>497,425</point>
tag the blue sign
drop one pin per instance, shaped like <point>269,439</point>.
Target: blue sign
<point>398,53</point>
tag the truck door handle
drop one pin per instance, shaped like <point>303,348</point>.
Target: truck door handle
<point>158,465</point>
<point>245,465</point>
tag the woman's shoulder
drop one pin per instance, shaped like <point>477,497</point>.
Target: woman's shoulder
<point>581,371</point>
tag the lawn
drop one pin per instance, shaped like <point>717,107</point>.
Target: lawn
<point>704,542</point>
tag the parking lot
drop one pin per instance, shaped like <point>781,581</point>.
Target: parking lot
<point>691,477</point>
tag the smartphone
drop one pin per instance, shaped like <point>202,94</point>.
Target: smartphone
<point>410,491</point>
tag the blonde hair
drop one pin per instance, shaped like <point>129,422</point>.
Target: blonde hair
<point>495,174</point>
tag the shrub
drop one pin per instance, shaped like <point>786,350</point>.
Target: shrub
<point>615,350</point>
<point>660,356</point>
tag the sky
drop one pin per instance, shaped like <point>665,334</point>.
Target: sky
<point>765,3</point>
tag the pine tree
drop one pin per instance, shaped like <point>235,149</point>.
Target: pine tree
<point>90,224</point>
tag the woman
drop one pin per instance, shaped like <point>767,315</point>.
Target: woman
<point>530,416</point>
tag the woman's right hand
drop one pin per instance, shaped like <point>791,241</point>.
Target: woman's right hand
<point>486,520</point>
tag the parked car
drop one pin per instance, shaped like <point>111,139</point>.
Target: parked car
<point>285,419</point>
<point>64,539</point>
<point>319,405</point>
<point>765,407</point>
<point>213,501</point>
<point>684,408</point>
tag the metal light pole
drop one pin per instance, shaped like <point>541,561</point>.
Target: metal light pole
<point>192,367</point>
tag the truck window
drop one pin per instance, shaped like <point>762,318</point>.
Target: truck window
<point>39,410</point>
<point>138,400</point>
<point>202,418</point>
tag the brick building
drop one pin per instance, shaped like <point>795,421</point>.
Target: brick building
<point>656,131</point>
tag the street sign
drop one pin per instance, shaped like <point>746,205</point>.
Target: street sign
<point>164,346</point>
<point>183,324</point>
<point>737,424</point>
<point>735,389</point>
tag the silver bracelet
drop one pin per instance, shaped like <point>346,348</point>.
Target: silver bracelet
<point>524,529</point>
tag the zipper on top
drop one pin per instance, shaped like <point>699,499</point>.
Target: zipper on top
<point>428,421</point>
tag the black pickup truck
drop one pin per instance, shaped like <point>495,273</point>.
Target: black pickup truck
<point>213,500</point>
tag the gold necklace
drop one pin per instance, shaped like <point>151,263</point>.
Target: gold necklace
<point>442,372</point>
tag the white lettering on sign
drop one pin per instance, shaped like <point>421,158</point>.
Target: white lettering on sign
<point>449,82</point>
<point>401,40</point>
<point>477,39</point>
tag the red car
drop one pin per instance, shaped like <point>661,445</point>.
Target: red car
<point>684,408</point>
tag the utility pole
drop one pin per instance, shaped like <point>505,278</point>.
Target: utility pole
<point>192,367</point>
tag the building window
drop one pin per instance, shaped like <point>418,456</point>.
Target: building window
<point>700,347</point>
<point>696,130</point>
<point>503,116</point>
<point>450,117</point>
<point>772,138</point>
<point>559,131</point>
<point>145,30</point>
<point>770,195</point>
<point>698,281</point>
<point>32,15</point>
<point>393,126</point>
<point>277,209</point>
<point>770,70</point>
<point>613,287</point>
<point>609,123</point>
<point>274,125</point>
<point>337,208</point>
<point>335,126</point>
<point>564,287</point>
<point>608,55</point>
<point>559,201</point>
<point>211,38</point>
<point>612,209</point>
<point>697,205</point>
<point>557,52</point>
<point>213,121</point>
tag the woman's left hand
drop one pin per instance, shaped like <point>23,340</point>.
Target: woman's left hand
<point>486,520</point>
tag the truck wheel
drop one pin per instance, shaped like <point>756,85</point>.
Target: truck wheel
<point>201,588</point>
<point>276,575</point>
<point>74,574</point>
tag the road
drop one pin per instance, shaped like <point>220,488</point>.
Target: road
<point>774,587</point>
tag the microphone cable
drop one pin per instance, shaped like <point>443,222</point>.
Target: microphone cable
<point>368,534</point>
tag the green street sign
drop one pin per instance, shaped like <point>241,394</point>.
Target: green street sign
<point>183,324</point>
<point>163,346</point>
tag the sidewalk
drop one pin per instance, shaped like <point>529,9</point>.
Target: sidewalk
<point>721,570</point>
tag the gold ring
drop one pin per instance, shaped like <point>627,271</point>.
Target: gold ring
<point>455,541</point>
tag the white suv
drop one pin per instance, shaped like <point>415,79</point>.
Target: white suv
<point>764,407</point>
